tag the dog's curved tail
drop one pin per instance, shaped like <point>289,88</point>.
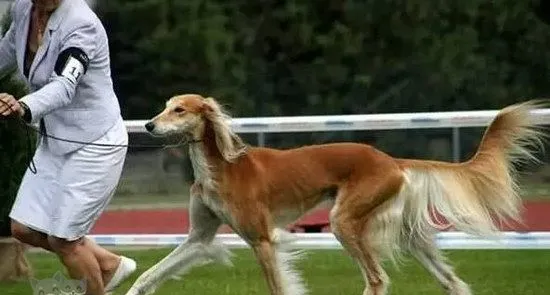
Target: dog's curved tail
<point>472,195</point>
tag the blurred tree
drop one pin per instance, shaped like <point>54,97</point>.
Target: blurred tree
<point>542,10</point>
<point>267,58</point>
<point>16,146</point>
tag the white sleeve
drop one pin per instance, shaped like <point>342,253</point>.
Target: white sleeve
<point>77,50</point>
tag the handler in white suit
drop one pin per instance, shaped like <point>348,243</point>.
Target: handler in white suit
<point>61,48</point>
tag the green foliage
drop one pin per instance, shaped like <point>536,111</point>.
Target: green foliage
<point>542,9</point>
<point>14,150</point>
<point>317,57</point>
<point>268,58</point>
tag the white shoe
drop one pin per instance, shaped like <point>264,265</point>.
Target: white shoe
<point>126,267</point>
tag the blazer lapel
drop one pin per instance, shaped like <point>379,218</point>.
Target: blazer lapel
<point>53,25</point>
<point>40,53</point>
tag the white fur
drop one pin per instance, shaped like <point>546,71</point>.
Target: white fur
<point>199,248</point>
<point>282,238</point>
<point>201,169</point>
<point>384,231</point>
<point>178,262</point>
<point>203,177</point>
<point>427,253</point>
<point>293,283</point>
<point>455,201</point>
<point>215,252</point>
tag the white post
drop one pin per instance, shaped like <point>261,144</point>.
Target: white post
<point>456,144</point>
<point>261,139</point>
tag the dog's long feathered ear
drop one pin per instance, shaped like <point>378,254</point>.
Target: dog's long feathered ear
<point>229,144</point>
<point>210,106</point>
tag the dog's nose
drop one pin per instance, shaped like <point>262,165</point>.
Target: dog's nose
<point>150,126</point>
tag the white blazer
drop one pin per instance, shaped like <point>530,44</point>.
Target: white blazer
<point>70,84</point>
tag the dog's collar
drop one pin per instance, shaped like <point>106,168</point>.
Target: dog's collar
<point>194,141</point>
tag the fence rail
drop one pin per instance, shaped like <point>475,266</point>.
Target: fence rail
<point>360,122</point>
<point>444,240</point>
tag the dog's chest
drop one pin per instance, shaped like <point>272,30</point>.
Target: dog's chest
<point>214,203</point>
<point>203,177</point>
<point>218,207</point>
<point>201,169</point>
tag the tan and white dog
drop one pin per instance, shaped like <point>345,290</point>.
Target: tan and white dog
<point>381,204</point>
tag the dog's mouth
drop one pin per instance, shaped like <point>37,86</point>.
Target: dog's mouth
<point>154,133</point>
<point>187,136</point>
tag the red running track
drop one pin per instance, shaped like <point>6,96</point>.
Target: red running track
<point>176,221</point>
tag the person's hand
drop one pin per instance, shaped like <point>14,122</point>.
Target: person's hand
<point>10,105</point>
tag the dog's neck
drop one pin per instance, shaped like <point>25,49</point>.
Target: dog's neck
<point>201,168</point>
<point>206,158</point>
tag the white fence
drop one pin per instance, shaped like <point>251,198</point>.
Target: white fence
<point>444,240</point>
<point>360,122</point>
<point>262,125</point>
<point>452,120</point>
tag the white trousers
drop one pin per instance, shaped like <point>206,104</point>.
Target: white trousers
<point>69,192</point>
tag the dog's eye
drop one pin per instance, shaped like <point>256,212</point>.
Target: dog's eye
<point>179,110</point>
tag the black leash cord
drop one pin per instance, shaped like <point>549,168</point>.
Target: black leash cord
<point>32,165</point>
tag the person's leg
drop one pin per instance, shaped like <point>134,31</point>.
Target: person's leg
<point>108,261</point>
<point>80,262</point>
<point>88,179</point>
<point>36,199</point>
<point>29,236</point>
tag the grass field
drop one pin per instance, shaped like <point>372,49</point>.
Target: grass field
<point>331,272</point>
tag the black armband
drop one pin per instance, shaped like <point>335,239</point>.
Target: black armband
<point>72,63</point>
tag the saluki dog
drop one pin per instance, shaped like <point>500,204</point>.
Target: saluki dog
<point>381,206</point>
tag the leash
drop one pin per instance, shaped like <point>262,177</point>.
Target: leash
<point>29,127</point>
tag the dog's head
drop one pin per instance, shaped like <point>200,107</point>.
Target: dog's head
<point>191,115</point>
<point>183,114</point>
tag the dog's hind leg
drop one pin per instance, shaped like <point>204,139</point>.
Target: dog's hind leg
<point>429,256</point>
<point>366,221</point>
<point>351,234</point>
<point>196,249</point>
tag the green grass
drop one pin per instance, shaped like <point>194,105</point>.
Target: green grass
<point>331,272</point>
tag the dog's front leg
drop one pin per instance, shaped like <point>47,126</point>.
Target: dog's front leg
<point>197,248</point>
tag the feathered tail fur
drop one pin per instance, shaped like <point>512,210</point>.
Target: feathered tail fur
<point>474,194</point>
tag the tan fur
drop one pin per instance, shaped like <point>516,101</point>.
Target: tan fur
<point>382,205</point>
